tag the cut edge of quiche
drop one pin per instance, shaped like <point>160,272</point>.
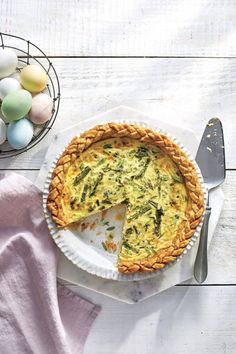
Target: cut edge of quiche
<point>195,205</point>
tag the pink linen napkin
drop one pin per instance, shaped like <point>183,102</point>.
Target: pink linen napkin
<point>36,315</point>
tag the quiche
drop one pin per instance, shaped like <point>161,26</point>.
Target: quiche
<point>143,169</point>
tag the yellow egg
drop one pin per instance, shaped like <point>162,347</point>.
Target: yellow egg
<point>33,78</point>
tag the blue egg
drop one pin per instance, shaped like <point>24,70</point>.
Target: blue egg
<point>20,133</point>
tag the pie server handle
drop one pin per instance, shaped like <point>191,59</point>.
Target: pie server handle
<point>201,265</point>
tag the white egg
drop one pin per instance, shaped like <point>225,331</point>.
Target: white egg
<point>8,62</point>
<point>8,85</point>
<point>3,131</point>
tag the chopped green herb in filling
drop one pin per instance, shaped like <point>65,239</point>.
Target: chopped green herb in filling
<point>143,170</point>
<point>97,182</point>
<point>129,231</point>
<point>157,221</point>
<point>107,201</point>
<point>85,190</point>
<point>100,162</point>
<point>178,179</point>
<point>164,178</point>
<point>119,167</point>
<point>104,246</point>
<point>110,228</point>
<point>154,204</point>
<point>142,211</point>
<point>107,146</point>
<point>73,200</point>
<point>127,245</point>
<point>82,175</point>
<point>141,152</point>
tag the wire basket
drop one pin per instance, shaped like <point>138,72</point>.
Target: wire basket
<point>29,53</point>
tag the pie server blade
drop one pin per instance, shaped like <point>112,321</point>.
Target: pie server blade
<point>211,160</point>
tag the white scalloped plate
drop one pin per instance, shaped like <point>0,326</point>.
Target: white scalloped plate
<point>85,249</point>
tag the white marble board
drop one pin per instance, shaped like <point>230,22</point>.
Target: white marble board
<point>134,291</point>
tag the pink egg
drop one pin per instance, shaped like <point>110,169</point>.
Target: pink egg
<point>41,109</point>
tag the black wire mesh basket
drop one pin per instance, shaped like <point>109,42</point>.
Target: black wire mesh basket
<point>29,53</point>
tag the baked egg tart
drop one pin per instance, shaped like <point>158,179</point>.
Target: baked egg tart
<point>115,164</point>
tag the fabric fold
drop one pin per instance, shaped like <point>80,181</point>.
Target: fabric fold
<point>37,315</point>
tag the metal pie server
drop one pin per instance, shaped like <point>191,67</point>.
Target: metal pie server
<point>211,160</point>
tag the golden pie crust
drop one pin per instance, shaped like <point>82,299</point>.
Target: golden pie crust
<point>195,208</point>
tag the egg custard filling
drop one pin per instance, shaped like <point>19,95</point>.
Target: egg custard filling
<point>147,180</point>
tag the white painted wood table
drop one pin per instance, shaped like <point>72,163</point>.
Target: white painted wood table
<point>175,59</point>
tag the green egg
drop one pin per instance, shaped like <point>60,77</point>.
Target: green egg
<point>16,105</point>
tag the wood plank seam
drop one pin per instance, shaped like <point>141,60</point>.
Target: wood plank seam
<point>130,57</point>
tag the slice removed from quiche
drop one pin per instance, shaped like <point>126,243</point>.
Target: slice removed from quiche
<point>163,209</point>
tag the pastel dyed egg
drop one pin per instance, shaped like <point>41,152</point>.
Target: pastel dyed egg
<point>33,78</point>
<point>3,131</point>
<point>41,109</point>
<point>8,62</point>
<point>20,133</point>
<point>7,86</point>
<point>16,105</point>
